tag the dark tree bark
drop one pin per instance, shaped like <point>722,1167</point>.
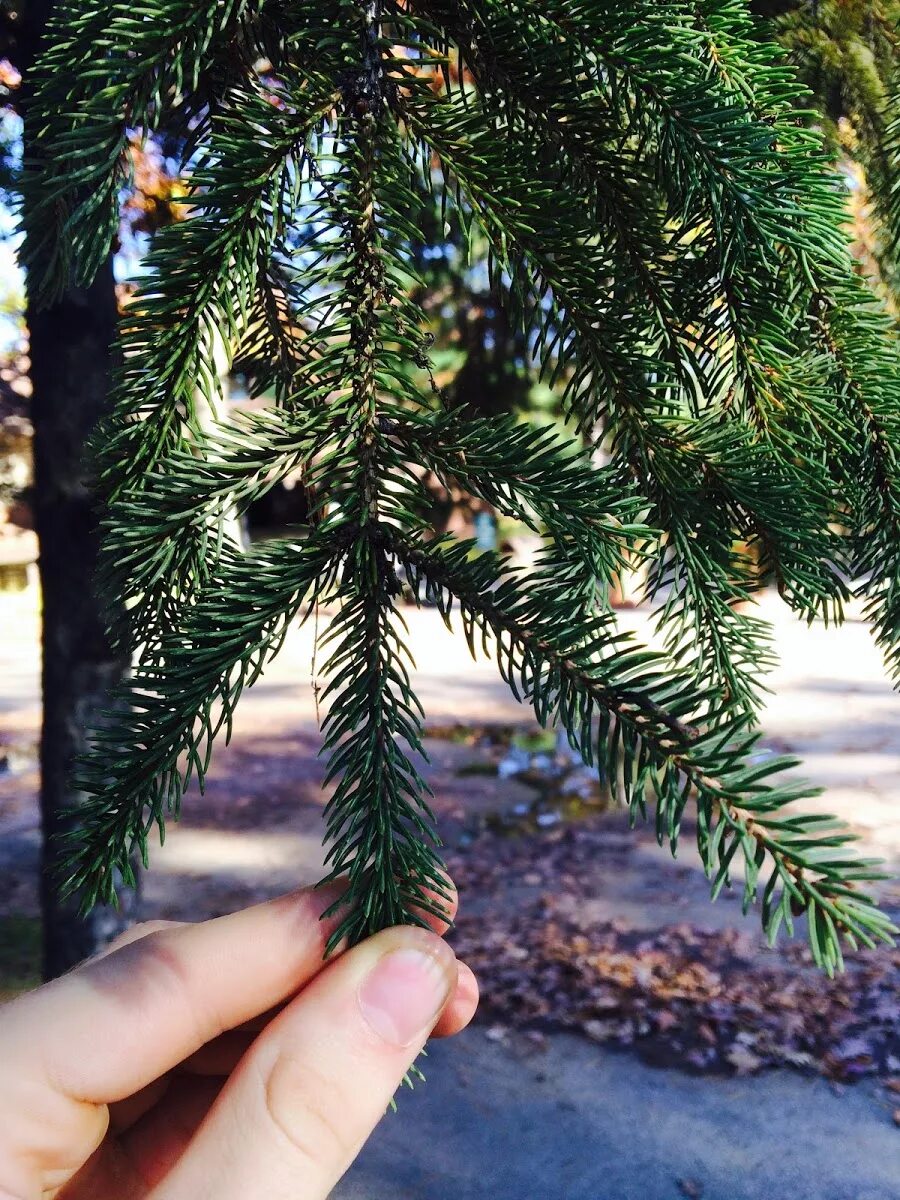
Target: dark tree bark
<point>71,358</point>
<point>70,371</point>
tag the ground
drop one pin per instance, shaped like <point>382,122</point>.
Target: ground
<point>575,923</point>
<point>575,1122</point>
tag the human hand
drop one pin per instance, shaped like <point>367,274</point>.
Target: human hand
<point>159,1072</point>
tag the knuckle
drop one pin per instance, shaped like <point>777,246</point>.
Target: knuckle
<point>301,1103</point>
<point>137,933</point>
<point>136,975</point>
<point>164,968</point>
<point>129,937</point>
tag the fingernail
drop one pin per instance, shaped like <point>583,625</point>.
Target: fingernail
<point>403,995</point>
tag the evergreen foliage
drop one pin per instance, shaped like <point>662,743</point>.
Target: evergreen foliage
<point>848,52</point>
<point>668,233</point>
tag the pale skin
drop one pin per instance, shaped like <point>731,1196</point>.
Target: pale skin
<point>220,1061</point>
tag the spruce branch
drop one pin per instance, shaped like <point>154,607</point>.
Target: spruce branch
<point>200,285</point>
<point>378,823</point>
<point>169,721</point>
<point>644,430</point>
<point>83,128</point>
<point>861,358</point>
<point>528,475</point>
<point>667,232</point>
<point>379,826</point>
<point>641,418</point>
<point>175,526</point>
<point>630,712</point>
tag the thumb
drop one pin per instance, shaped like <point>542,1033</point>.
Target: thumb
<point>305,1098</point>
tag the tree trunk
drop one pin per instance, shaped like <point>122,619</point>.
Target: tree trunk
<point>70,357</point>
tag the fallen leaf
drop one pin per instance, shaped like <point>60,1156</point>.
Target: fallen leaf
<point>744,1061</point>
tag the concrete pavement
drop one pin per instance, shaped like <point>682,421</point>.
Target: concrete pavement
<point>579,1122</point>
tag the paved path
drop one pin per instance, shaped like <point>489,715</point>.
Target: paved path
<point>577,1122</point>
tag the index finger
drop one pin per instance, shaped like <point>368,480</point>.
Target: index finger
<point>113,1026</point>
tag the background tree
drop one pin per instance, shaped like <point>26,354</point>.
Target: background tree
<point>848,54</point>
<point>668,236</point>
<point>70,352</point>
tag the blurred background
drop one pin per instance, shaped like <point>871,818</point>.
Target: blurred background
<point>633,1040</point>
